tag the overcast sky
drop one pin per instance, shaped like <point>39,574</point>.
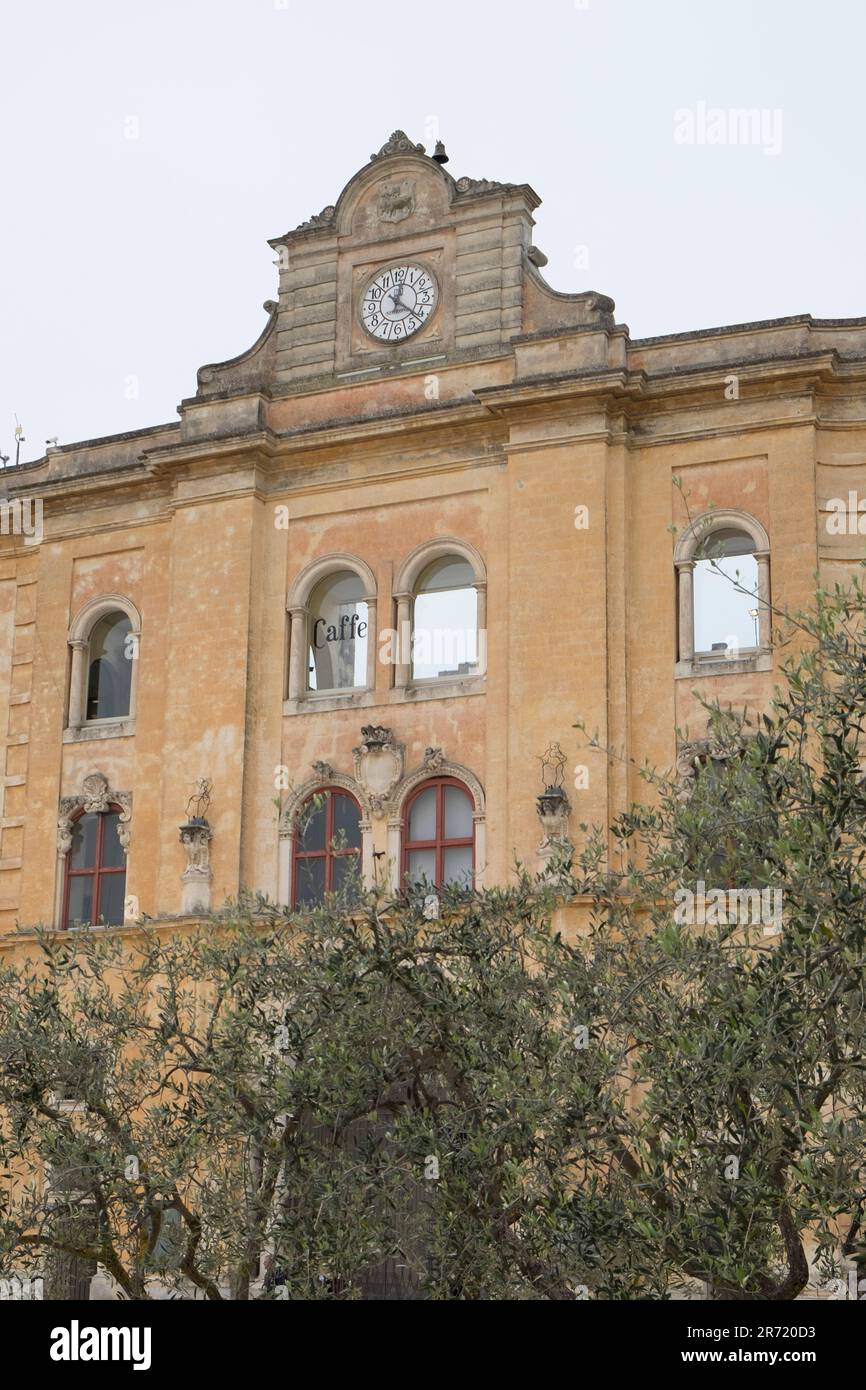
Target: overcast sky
<point>150,149</point>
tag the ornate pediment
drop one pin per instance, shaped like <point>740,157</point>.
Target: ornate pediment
<point>96,797</point>
<point>399,143</point>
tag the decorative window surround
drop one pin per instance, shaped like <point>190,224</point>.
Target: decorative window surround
<point>299,698</point>
<point>79,728</point>
<point>96,797</point>
<point>324,777</point>
<point>381,790</point>
<point>435,764</point>
<point>692,664</point>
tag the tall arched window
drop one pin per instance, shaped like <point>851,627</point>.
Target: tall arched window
<point>441,614</point>
<point>109,668</point>
<point>332,632</point>
<point>339,630</point>
<point>104,638</point>
<point>438,834</point>
<point>726,592</point>
<point>722,563</point>
<point>445,626</point>
<point>95,871</point>
<point>327,854</point>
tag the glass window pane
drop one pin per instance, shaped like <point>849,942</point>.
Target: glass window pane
<point>111,891</point>
<point>722,613</point>
<point>422,817</point>
<point>311,823</point>
<point>445,634</point>
<point>448,573</point>
<point>339,631</point>
<point>311,882</point>
<point>112,850</point>
<point>347,823</point>
<point>82,855</point>
<point>346,874</point>
<point>422,866</point>
<point>80,899</point>
<point>458,814</point>
<point>725,542</point>
<point>110,671</point>
<point>457,865</point>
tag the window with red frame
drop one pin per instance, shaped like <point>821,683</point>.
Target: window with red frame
<point>439,835</point>
<point>95,872</point>
<point>327,846</point>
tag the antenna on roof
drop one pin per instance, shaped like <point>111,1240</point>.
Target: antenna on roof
<point>20,438</point>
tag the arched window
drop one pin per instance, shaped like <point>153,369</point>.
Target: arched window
<point>104,638</point>
<point>726,592</point>
<point>339,630</point>
<point>438,834</point>
<point>327,846</point>
<point>332,631</point>
<point>723,577</point>
<point>445,627</point>
<point>109,668</point>
<point>441,612</point>
<point>95,871</point>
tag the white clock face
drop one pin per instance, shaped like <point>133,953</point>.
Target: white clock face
<point>398,301</point>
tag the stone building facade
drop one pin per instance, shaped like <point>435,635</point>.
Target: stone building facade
<point>436,515</point>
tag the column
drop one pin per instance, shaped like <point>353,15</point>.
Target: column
<point>404,641</point>
<point>481,624</point>
<point>395,852</point>
<point>77,683</point>
<point>368,863</point>
<point>685,583</point>
<point>765,617</point>
<point>372,642</point>
<point>298,653</point>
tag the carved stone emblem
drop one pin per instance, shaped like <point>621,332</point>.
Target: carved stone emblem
<point>378,766</point>
<point>396,201</point>
<point>95,798</point>
<point>95,793</point>
<point>433,759</point>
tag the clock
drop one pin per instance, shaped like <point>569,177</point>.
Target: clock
<point>398,301</point>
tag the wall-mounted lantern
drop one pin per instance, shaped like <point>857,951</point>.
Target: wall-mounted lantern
<point>553,810</point>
